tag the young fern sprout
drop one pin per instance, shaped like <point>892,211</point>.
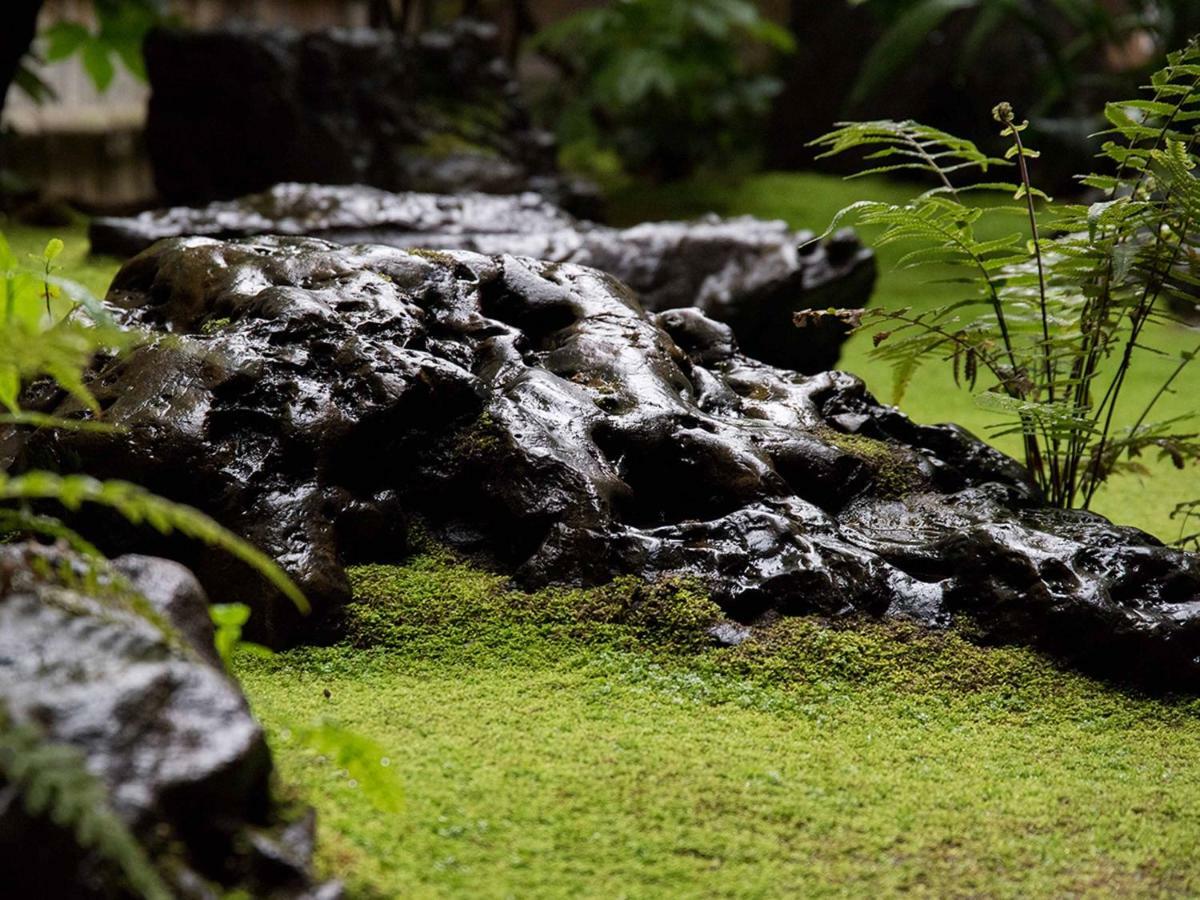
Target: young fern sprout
<point>1051,319</point>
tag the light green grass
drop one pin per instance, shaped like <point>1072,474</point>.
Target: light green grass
<point>548,756</point>
<point>807,200</point>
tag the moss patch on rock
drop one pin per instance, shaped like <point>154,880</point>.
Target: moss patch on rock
<point>438,597</point>
<point>895,472</point>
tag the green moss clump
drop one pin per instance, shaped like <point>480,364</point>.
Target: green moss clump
<point>447,143</point>
<point>452,609</point>
<point>440,257</point>
<point>481,440</point>
<point>896,473</point>
<point>213,326</point>
<point>440,599</point>
<point>900,655</point>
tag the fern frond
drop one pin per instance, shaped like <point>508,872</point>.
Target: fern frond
<point>43,420</point>
<point>52,781</point>
<point>62,353</point>
<point>1058,420</point>
<point>1142,126</point>
<point>914,146</point>
<point>19,521</point>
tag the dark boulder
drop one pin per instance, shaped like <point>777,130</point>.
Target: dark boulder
<point>238,108</point>
<point>139,693</point>
<point>317,398</point>
<point>752,274</point>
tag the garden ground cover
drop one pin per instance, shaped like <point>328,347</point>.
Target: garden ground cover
<point>548,754</point>
<point>557,744</point>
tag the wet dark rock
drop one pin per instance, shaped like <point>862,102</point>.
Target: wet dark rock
<point>752,274</point>
<point>317,398</point>
<point>237,109</point>
<point>176,595</point>
<point>170,736</point>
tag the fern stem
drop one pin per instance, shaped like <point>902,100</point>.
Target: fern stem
<point>1165,386</point>
<point>929,160</point>
<point>1111,396</point>
<point>1023,168</point>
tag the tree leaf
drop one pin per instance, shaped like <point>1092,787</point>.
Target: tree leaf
<point>98,64</point>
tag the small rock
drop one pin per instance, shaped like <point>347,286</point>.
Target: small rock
<point>169,735</point>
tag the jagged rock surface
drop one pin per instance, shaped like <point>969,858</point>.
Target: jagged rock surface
<point>316,398</point>
<point>238,108</point>
<point>170,736</point>
<point>749,273</point>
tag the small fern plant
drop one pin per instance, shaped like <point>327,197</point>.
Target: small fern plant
<point>1053,315</point>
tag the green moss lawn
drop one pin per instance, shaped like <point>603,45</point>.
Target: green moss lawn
<point>569,744</point>
<point>591,744</point>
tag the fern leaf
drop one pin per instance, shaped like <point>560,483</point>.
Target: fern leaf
<point>137,505</point>
<point>52,780</point>
<point>928,149</point>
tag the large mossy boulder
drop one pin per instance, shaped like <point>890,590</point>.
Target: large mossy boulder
<point>753,274</point>
<point>236,109</point>
<point>114,706</point>
<point>320,399</point>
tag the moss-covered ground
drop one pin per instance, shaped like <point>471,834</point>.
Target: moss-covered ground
<point>574,743</point>
<point>591,743</point>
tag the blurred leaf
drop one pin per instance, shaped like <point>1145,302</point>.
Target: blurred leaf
<point>53,248</point>
<point>10,387</point>
<point>64,39</point>
<point>98,64</point>
<point>33,86</point>
<point>366,762</point>
<point>899,44</point>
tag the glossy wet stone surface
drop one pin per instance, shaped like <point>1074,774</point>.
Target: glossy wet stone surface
<point>750,273</point>
<point>170,736</point>
<point>320,399</point>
